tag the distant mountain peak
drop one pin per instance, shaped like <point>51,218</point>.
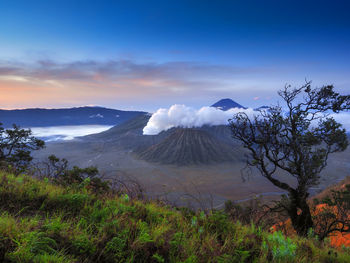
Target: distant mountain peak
<point>226,104</point>
<point>264,107</point>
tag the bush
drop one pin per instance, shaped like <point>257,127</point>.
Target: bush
<point>283,249</point>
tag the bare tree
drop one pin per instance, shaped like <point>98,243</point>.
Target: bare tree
<point>58,171</point>
<point>53,167</point>
<point>296,139</point>
<point>122,183</point>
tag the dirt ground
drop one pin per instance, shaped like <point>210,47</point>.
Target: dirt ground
<point>211,185</point>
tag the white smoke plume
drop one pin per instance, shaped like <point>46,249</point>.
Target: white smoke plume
<point>187,117</point>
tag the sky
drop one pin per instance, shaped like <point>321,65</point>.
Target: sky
<point>143,55</point>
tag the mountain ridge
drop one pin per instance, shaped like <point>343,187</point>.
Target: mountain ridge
<point>87,115</point>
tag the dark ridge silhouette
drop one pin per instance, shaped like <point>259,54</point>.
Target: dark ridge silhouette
<point>226,104</point>
<point>68,116</point>
<point>264,107</point>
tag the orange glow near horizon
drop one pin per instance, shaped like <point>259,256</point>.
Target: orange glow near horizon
<point>20,92</point>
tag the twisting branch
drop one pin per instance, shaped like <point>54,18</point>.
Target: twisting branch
<point>290,140</point>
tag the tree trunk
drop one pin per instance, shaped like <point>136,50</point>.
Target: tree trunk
<point>300,214</point>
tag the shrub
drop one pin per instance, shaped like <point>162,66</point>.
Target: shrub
<point>83,246</point>
<point>282,248</point>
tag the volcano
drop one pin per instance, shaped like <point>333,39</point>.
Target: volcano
<point>189,146</point>
<point>176,146</point>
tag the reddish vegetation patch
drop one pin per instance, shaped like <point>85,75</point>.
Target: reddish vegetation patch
<point>337,239</point>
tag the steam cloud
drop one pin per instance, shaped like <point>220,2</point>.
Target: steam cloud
<point>187,117</point>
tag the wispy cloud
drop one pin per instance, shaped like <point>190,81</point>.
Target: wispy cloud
<point>90,80</point>
<point>115,69</point>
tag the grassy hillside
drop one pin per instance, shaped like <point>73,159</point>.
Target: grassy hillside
<point>42,222</point>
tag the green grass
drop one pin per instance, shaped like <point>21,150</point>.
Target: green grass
<point>43,222</point>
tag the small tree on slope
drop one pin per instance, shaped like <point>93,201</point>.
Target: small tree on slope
<point>297,140</point>
<point>16,145</point>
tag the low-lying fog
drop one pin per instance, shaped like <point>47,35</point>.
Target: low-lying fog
<point>55,133</point>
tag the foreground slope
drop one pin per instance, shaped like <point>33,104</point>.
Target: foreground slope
<point>42,222</point>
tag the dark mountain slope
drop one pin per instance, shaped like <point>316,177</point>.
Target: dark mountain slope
<point>128,136</point>
<point>132,126</point>
<point>178,146</point>
<point>189,146</point>
<point>221,133</point>
<point>69,116</point>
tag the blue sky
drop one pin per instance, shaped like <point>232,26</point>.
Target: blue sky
<point>151,54</point>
